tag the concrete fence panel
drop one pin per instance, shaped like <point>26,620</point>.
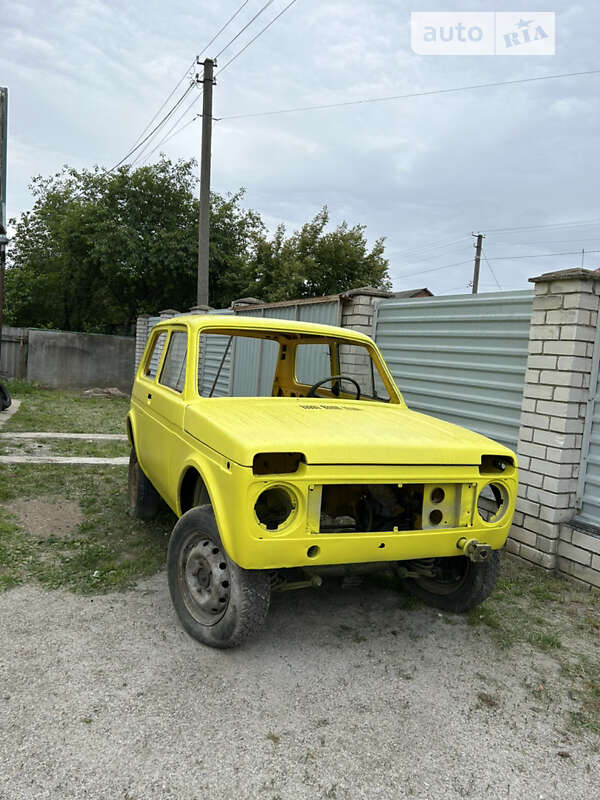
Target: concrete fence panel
<point>64,360</point>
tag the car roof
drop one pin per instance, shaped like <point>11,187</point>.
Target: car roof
<point>247,323</point>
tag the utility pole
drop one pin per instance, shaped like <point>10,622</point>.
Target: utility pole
<point>478,246</point>
<point>3,238</point>
<point>204,216</point>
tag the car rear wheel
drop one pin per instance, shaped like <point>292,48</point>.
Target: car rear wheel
<point>219,603</point>
<point>5,400</point>
<point>459,584</point>
<point>144,500</point>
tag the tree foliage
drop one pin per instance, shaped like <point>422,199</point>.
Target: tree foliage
<point>98,249</point>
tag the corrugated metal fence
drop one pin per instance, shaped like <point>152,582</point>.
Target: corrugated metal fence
<point>588,490</point>
<point>461,358</point>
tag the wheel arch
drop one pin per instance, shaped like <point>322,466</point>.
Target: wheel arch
<point>130,436</point>
<point>188,491</point>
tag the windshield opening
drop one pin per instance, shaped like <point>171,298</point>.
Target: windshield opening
<point>243,363</point>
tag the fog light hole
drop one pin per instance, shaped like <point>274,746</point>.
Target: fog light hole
<point>436,516</point>
<point>313,551</point>
<point>437,495</point>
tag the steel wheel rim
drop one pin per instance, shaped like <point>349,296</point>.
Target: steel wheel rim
<point>204,579</point>
<point>443,588</point>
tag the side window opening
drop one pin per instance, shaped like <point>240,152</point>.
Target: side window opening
<point>173,371</point>
<point>153,360</point>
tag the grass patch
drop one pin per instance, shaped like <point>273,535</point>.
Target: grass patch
<point>108,551</point>
<point>584,674</point>
<point>79,447</point>
<point>530,606</point>
<point>65,412</point>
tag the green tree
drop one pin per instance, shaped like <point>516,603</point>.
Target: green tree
<point>313,262</point>
<point>98,249</point>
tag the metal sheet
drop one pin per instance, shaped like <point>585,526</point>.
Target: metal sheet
<point>588,489</point>
<point>255,361</point>
<point>461,357</point>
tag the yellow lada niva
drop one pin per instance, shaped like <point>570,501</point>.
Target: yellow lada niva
<point>289,455</point>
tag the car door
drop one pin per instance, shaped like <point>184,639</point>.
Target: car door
<point>160,435</point>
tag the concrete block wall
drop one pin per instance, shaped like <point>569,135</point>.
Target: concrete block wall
<point>579,554</point>
<point>557,383</point>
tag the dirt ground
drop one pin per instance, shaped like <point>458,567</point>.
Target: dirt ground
<point>348,693</point>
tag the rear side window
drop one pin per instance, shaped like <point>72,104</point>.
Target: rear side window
<point>153,359</point>
<point>173,371</point>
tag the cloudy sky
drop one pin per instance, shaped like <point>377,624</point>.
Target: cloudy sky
<point>86,76</point>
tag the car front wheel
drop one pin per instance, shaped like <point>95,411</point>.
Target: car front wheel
<point>457,584</point>
<point>219,603</point>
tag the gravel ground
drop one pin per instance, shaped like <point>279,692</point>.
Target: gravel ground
<point>346,694</point>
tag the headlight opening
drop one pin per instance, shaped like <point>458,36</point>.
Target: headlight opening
<point>274,507</point>
<point>492,503</point>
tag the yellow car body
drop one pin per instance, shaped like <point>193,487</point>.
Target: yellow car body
<point>320,456</point>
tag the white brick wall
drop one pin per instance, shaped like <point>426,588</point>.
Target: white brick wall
<point>563,324</point>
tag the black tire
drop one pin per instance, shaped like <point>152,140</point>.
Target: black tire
<point>218,603</point>
<point>5,400</point>
<point>144,500</point>
<point>461,584</point>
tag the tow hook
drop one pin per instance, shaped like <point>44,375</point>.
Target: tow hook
<point>474,550</point>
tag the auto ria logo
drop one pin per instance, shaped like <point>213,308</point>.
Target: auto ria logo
<point>485,33</point>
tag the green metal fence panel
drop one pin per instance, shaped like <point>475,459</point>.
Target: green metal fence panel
<point>460,357</point>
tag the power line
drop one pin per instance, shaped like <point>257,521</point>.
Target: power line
<point>247,25</point>
<point>491,269</point>
<point>171,132</point>
<point>260,33</point>
<point>216,36</point>
<point>552,225</point>
<point>433,269</point>
<point>495,258</point>
<point>579,239</point>
<point>181,80</point>
<point>183,77</point>
<point>541,255</point>
<point>156,127</point>
<point>413,94</point>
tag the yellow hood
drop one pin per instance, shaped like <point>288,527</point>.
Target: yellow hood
<point>332,432</point>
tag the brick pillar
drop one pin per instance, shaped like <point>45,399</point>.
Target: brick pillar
<point>168,313</point>
<point>561,343</point>
<point>358,313</point>
<point>141,335</point>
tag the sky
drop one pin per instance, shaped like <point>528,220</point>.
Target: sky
<point>86,76</point>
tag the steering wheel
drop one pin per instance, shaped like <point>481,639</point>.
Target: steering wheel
<point>315,386</point>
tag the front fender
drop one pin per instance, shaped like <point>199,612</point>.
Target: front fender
<point>222,484</point>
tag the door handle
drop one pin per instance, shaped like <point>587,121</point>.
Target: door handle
<point>149,396</point>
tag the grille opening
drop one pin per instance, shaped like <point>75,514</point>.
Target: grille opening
<point>277,463</point>
<point>348,508</point>
<point>273,507</point>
